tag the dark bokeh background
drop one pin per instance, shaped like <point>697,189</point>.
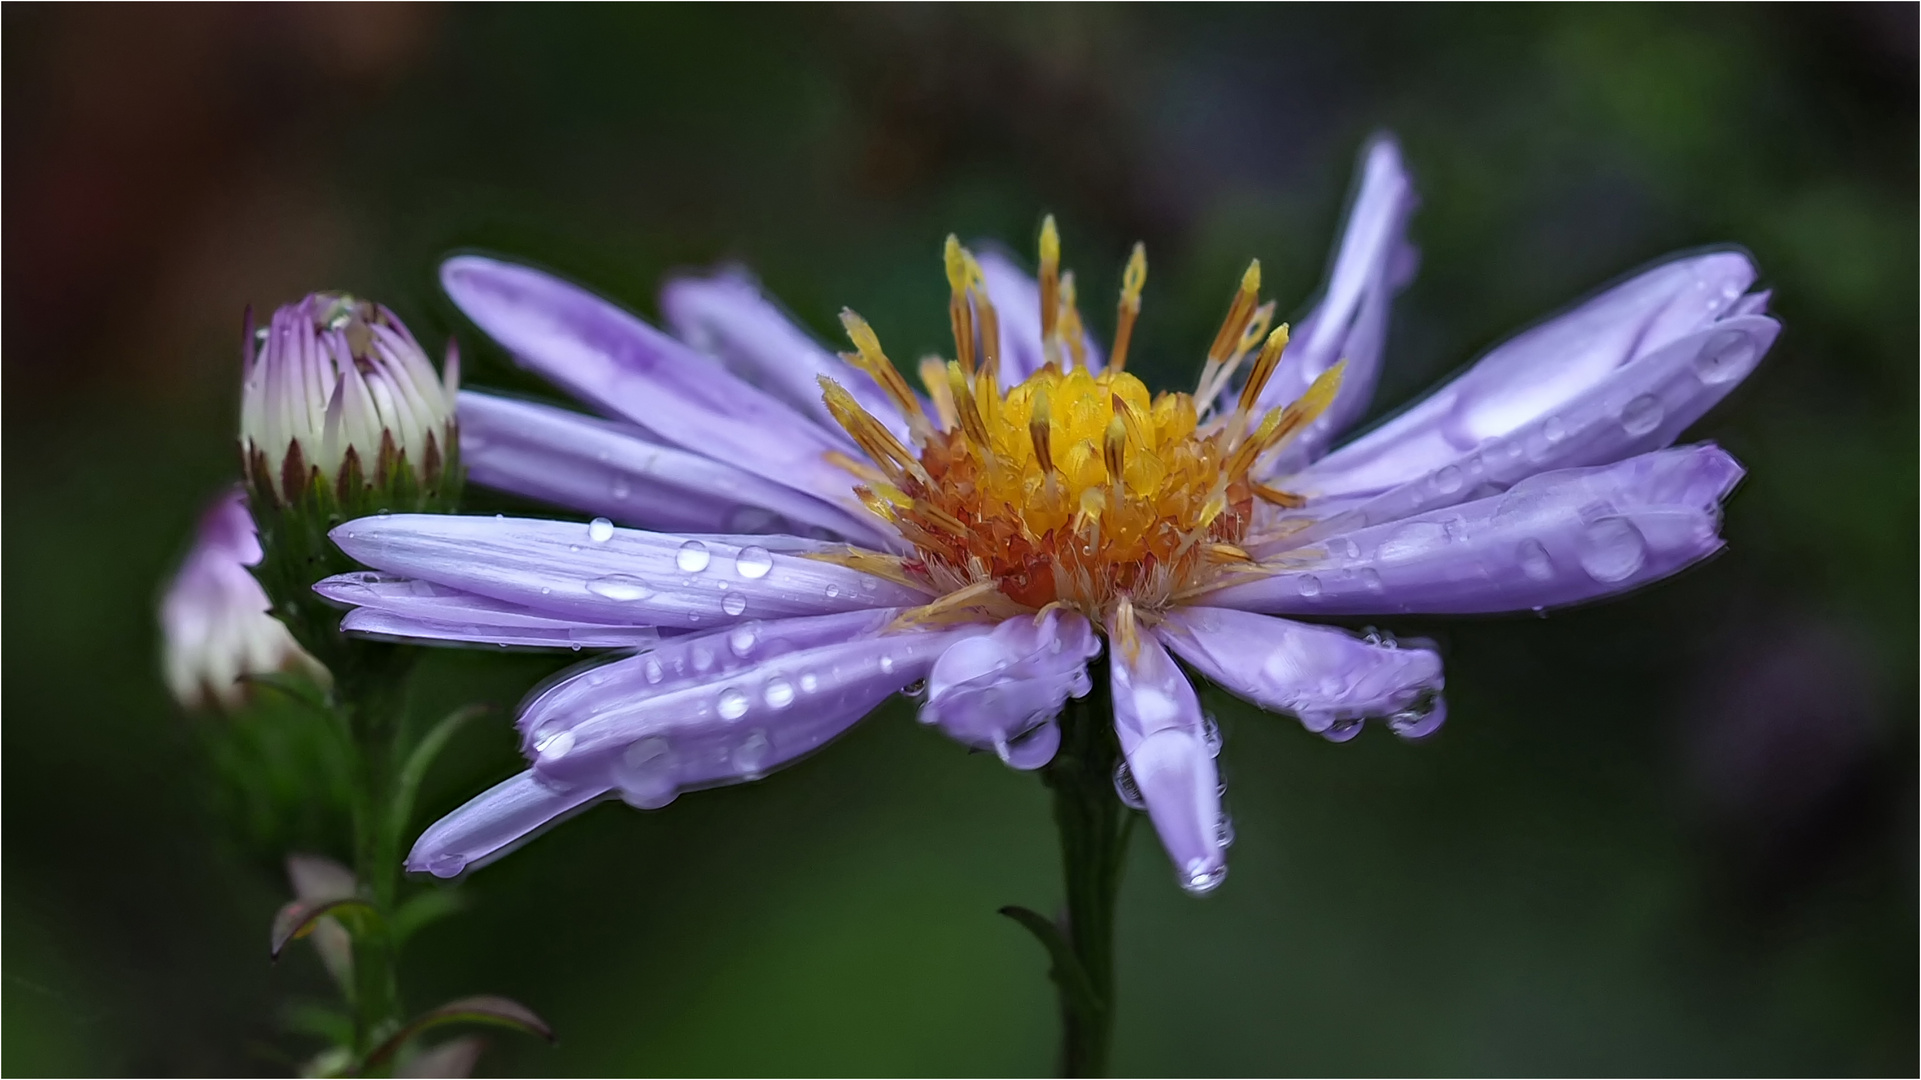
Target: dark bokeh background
<point>1674,833</point>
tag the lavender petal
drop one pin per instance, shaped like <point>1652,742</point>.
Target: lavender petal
<point>1372,263</point>
<point>493,823</point>
<point>727,317</point>
<point>1162,736</point>
<point>1519,390</point>
<point>1554,539</point>
<point>601,574</point>
<point>614,470</point>
<point>996,689</point>
<point>1328,678</point>
<point>615,361</point>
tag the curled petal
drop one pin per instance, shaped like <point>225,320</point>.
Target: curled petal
<point>1374,260</point>
<point>1158,720</point>
<point>722,725</point>
<point>1017,302</point>
<point>1328,678</point>
<point>493,823</point>
<point>606,468</point>
<point>994,689</point>
<point>727,317</point>
<point>1525,395</point>
<point>567,570</point>
<point>1554,539</point>
<point>614,360</point>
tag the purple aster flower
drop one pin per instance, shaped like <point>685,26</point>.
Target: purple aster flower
<point>213,618</point>
<point>827,535</point>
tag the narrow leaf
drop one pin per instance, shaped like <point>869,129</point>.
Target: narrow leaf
<point>407,784</point>
<point>1067,971</point>
<point>297,920</point>
<point>483,1009</point>
<point>295,687</point>
<point>423,909</point>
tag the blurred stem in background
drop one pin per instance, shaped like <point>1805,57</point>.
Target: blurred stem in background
<point>1094,827</point>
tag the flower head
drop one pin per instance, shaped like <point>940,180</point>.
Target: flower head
<point>987,535</point>
<point>339,400</point>
<point>213,618</point>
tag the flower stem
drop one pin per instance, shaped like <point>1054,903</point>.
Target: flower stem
<point>371,687</point>
<point>1094,827</point>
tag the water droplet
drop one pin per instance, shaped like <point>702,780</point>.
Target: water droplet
<point>1343,729</point>
<point>653,672</point>
<point>1542,439</point>
<point>832,591</point>
<point>732,704</point>
<point>1211,734</point>
<point>1413,721</point>
<point>887,663</point>
<point>446,866</point>
<point>1446,480</point>
<point>742,640</point>
<point>1501,452</point>
<point>692,557</point>
<point>703,658</point>
<point>1381,639</point>
<point>1412,539</point>
<point>779,693</point>
<point>1642,415</point>
<point>733,604</point>
<point>916,689</point>
<point>1224,831</point>
<point>1371,580</point>
<point>545,591</point>
<point>622,587</point>
<point>1344,547</point>
<point>1201,878</point>
<point>600,530</point>
<point>868,584</point>
<point>750,757</point>
<point>1126,789</point>
<point>1726,357</point>
<point>1309,585</point>
<point>1612,549</point>
<point>648,773</point>
<point>753,562</point>
<point>1535,562</point>
<point>621,489</point>
<point>555,746</point>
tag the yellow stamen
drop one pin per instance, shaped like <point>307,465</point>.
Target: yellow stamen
<point>1040,429</point>
<point>958,313</point>
<point>878,367</point>
<point>1133,279</point>
<point>988,320</point>
<point>1050,270</point>
<point>933,376</point>
<point>1071,331</point>
<point>1264,366</point>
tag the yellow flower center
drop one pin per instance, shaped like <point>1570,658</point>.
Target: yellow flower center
<point>1074,486</point>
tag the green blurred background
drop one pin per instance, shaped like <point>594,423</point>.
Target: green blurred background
<point>1673,833</point>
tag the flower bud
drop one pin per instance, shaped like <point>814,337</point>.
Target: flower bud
<point>341,417</point>
<point>213,618</point>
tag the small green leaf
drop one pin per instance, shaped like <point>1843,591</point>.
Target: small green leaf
<point>297,688</point>
<point>1067,971</point>
<point>297,920</point>
<point>483,1009</point>
<point>407,784</point>
<point>425,908</point>
<point>308,1018</point>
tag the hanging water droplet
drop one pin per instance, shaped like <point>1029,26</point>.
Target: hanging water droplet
<point>915,690</point>
<point>742,640</point>
<point>600,530</point>
<point>733,603</point>
<point>1309,585</point>
<point>1642,415</point>
<point>653,672</point>
<point>1612,549</point>
<point>1371,580</point>
<point>1211,734</point>
<point>622,587</point>
<point>648,773</point>
<point>1343,729</point>
<point>1534,559</point>
<point>555,746</point>
<point>1726,357</point>
<point>1381,639</point>
<point>732,704</point>
<point>1224,831</point>
<point>750,757</point>
<point>1201,878</point>
<point>1446,480</point>
<point>446,866</point>
<point>753,562</point>
<point>1412,720</point>
<point>779,693</point>
<point>692,557</point>
<point>1126,789</point>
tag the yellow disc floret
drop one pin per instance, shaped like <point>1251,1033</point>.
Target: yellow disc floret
<point>1075,486</point>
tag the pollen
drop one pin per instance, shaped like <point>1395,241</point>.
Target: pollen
<point>1076,486</point>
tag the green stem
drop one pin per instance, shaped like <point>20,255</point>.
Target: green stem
<point>1093,828</point>
<point>371,688</point>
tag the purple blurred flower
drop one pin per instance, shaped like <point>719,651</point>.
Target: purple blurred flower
<point>213,619</point>
<point>987,536</point>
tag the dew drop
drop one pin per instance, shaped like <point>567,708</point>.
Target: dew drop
<point>1211,734</point>
<point>653,672</point>
<point>753,562</point>
<point>692,557</point>
<point>1535,562</point>
<point>1201,878</point>
<point>750,757</point>
<point>808,683</point>
<point>1612,549</point>
<point>1446,480</point>
<point>555,746</point>
<point>1224,831</point>
<point>1309,585</point>
<point>622,587</point>
<point>742,640</point>
<point>1642,415</point>
<point>1126,789</point>
<point>779,693</point>
<point>832,591</point>
<point>1726,357</point>
<point>915,690</point>
<point>1542,439</point>
<point>732,704</point>
<point>647,773</point>
<point>733,604</point>
<point>1371,580</point>
<point>887,663</point>
<point>600,530</point>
